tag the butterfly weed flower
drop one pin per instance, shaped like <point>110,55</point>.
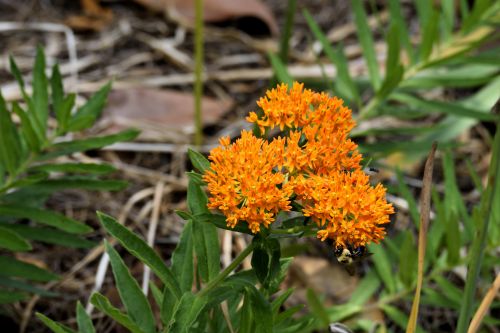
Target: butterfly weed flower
<point>243,181</point>
<point>314,164</point>
<point>346,208</point>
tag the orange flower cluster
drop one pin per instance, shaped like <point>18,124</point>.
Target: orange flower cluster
<point>316,164</point>
<point>243,182</point>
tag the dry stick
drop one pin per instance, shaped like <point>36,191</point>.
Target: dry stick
<point>153,224</point>
<point>485,304</point>
<point>198,71</point>
<point>425,208</point>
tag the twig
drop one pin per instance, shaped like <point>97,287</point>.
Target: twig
<point>153,224</point>
<point>425,208</point>
<point>485,304</point>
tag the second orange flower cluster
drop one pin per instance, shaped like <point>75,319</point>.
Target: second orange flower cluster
<point>315,164</point>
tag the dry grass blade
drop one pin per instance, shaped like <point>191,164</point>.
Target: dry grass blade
<point>425,208</point>
<point>485,305</point>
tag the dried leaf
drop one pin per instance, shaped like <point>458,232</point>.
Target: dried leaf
<point>238,12</point>
<point>161,115</point>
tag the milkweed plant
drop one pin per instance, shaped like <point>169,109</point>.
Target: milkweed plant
<point>296,175</point>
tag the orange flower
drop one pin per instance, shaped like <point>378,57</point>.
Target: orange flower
<point>243,181</point>
<point>345,206</point>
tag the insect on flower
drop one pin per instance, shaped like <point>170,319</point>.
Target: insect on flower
<point>349,255</point>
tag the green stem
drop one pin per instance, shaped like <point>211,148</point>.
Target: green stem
<point>287,31</point>
<point>222,275</point>
<point>198,71</point>
<point>479,241</point>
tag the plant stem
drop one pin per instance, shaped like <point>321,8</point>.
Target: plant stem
<point>198,71</point>
<point>222,275</point>
<point>479,241</point>
<point>287,31</point>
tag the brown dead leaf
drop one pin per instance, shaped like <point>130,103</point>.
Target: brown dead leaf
<point>161,115</point>
<point>95,17</point>
<point>244,14</point>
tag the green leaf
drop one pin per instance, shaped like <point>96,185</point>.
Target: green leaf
<point>49,235</point>
<point>52,325</point>
<point>366,40</point>
<point>66,106</point>
<point>57,88</point>
<point>29,134</point>
<point>140,249</point>
<point>92,168</point>
<point>90,111</point>
<point>247,321</point>
<point>69,147</point>
<point>182,258</point>
<point>103,304</point>
<point>183,215</point>
<point>261,309</point>
<point>278,301</point>
<point>83,320</point>
<point>444,107</point>
<point>393,69</point>
<point>10,146</point>
<point>408,260</point>
<point>383,267</point>
<point>12,241</point>
<point>47,217</point>
<point>399,21</point>
<point>429,34</point>
<point>405,192</point>
<point>451,291</point>
<point>260,260</point>
<point>14,267</point>
<point>24,286</point>
<point>344,82</point>
<point>220,222</point>
<point>40,85</point>
<point>365,289</point>
<point>400,318</point>
<point>138,308</point>
<point>317,308</point>
<point>187,311</point>
<point>196,177</point>
<point>199,161</point>
<point>288,313</point>
<point>280,69</point>
<point>80,182</point>
<point>206,240</point>
<point>9,296</point>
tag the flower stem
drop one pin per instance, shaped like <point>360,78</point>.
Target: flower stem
<point>222,275</point>
<point>198,72</point>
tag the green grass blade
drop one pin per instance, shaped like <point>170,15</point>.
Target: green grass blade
<point>366,41</point>
<point>444,107</point>
<point>482,220</point>
<point>383,267</point>
<point>280,69</point>
<point>138,308</point>
<point>429,35</point>
<point>344,82</point>
<point>399,21</point>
